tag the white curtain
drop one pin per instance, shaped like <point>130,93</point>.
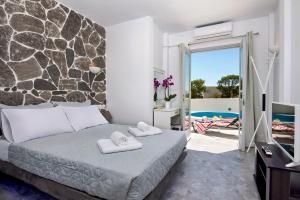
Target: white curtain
<point>248,111</point>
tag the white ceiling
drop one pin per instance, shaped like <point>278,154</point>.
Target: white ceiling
<point>171,15</point>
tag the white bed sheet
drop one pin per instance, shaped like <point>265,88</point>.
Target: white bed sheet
<point>4,144</point>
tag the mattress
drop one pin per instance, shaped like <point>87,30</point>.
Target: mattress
<point>74,159</point>
<point>4,144</point>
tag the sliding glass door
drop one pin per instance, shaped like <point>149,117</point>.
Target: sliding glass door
<point>185,55</point>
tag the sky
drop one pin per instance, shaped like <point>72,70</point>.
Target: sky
<point>212,65</point>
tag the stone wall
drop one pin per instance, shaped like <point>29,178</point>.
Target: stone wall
<point>46,50</point>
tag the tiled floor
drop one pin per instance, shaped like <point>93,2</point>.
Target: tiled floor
<point>213,169</point>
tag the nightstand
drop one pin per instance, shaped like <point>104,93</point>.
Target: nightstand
<point>163,118</point>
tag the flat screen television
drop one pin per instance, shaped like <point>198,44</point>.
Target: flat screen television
<point>286,130</point>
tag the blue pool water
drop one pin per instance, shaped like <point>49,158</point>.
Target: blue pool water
<point>284,118</point>
<point>215,114</point>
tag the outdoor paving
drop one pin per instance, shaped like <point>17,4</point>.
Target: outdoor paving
<point>215,141</point>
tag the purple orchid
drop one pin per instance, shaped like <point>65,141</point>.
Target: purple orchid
<point>156,83</point>
<point>167,83</point>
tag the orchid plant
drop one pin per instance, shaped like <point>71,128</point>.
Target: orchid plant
<point>156,85</point>
<point>167,83</point>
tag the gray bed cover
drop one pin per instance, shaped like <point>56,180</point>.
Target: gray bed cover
<point>73,159</point>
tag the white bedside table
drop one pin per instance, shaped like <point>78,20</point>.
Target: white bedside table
<point>163,117</point>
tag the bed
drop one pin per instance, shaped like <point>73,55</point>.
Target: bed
<point>70,165</point>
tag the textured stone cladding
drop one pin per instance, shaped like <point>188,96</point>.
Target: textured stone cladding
<point>46,50</point>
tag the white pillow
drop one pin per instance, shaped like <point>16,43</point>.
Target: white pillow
<point>39,106</point>
<point>5,127</point>
<point>20,125</point>
<point>72,104</point>
<point>84,117</point>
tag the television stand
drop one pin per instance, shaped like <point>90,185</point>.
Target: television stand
<point>293,164</point>
<point>274,180</point>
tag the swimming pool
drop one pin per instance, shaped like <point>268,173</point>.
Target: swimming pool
<point>284,118</point>
<point>215,114</point>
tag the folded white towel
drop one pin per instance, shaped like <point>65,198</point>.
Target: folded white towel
<point>143,126</point>
<point>107,146</point>
<point>119,138</point>
<point>138,133</point>
<point>151,130</point>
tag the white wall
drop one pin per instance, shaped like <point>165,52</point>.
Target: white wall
<point>295,91</point>
<point>215,105</point>
<point>130,61</point>
<point>158,40</point>
<point>287,37</point>
<point>277,74</point>
<point>277,83</point>
<point>284,35</point>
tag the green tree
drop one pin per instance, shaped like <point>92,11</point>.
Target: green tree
<point>229,86</point>
<point>217,95</point>
<point>197,88</point>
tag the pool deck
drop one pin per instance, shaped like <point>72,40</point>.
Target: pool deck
<point>227,140</point>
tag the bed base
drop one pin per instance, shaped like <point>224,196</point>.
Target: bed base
<point>64,192</point>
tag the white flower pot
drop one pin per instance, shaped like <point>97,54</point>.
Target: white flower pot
<point>155,104</point>
<point>168,105</point>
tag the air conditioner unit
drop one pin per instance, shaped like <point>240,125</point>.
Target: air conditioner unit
<point>222,29</point>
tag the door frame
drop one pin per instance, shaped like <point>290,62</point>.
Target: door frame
<point>226,43</point>
<point>183,49</point>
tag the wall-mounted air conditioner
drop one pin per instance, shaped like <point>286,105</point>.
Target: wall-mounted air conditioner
<point>221,29</point>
